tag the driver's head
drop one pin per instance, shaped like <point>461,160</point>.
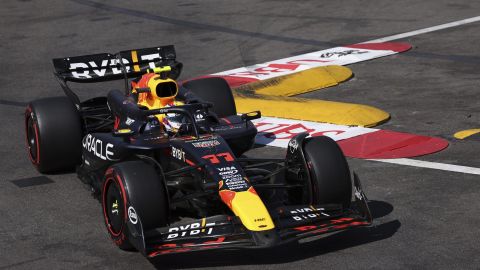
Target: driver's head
<point>164,90</point>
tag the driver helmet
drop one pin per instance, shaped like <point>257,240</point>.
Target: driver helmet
<point>162,91</point>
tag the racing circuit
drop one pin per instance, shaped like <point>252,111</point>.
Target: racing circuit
<point>423,196</point>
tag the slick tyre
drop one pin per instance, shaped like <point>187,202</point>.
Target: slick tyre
<point>331,181</point>
<point>53,131</point>
<point>133,192</point>
<point>216,91</point>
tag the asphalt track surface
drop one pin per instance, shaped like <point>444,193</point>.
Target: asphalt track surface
<point>425,219</point>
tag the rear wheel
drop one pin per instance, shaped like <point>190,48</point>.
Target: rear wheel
<point>53,134</point>
<point>329,171</point>
<point>215,90</point>
<point>132,191</point>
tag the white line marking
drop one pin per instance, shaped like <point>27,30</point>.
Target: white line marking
<point>425,30</point>
<point>431,165</point>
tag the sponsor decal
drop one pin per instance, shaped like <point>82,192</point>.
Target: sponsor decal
<point>227,170</point>
<point>341,53</point>
<point>286,131</point>
<point>98,147</point>
<point>355,141</point>
<point>132,215</point>
<point>178,154</point>
<point>293,146</point>
<point>235,183</point>
<point>307,213</point>
<point>278,132</point>
<point>129,121</point>
<point>200,116</point>
<point>162,110</point>
<point>115,207</point>
<point>192,229</point>
<point>94,69</point>
<point>232,178</point>
<point>217,158</point>
<point>228,127</point>
<point>206,144</point>
<point>272,68</point>
<point>358,194</point>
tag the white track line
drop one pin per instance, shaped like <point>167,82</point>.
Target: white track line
<point>431,165</point>
<point>426,30</point>
<point>420,163</point>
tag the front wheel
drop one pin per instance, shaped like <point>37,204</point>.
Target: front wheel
<point>133,192</point>
<point>329,172</point>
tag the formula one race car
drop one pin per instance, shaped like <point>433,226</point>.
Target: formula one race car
<point>167,164</point>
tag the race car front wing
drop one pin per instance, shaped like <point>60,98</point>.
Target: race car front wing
<point>227,232</point>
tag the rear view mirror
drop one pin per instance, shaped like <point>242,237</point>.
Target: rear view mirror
<point>251,115</point>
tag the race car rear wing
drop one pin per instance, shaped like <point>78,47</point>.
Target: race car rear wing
<point>125,64</point>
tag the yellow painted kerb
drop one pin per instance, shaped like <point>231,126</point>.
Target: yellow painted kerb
<point>339,113</point>
<point>271,97</point>
<point>299,82</point>
<point>466,133</point>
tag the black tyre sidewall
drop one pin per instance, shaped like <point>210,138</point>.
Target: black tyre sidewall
<point>58,131</point>
<point>142,187</point>
<point>120,238</point>
<point>329,171</point>
<point>30,120</point>
<point>215,90</point>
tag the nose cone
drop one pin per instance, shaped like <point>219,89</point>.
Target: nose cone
<point>248,206</point>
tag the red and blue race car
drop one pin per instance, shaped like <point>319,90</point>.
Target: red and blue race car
<point>167,161</point>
